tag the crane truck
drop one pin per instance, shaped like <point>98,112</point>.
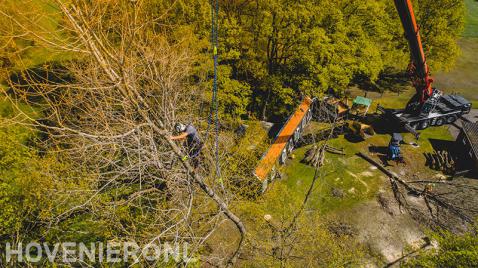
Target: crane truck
<point>429,106</point>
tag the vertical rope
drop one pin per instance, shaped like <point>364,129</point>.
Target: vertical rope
<point>213,30</point>
<point>214,108</point>
<point>218,166</point>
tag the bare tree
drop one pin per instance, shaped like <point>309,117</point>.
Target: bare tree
<point>110,109</point>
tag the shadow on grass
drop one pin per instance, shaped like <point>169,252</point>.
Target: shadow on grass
<point>390,79</point>
<point>381,152</point>
<point>442,145</point>
<point>353,138</point>
<point>275,129</point>
<point>31,81</point>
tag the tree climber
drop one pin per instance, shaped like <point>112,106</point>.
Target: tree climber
<point>193,143</point>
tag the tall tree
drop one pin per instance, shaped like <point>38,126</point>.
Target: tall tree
<point>441,24</point>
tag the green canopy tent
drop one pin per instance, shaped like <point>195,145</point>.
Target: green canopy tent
<point>361,102</point>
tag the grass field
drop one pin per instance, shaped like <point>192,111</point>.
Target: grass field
<point>351,174</point>
<point>471,19</point>
<point>463,78</point>
<point>43,18</point>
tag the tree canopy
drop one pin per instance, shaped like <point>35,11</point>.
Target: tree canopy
<point>285,50</point>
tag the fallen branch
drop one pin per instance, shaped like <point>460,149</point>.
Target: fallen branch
<point>445,182</point>
<point>417,191</point>
<point>334,150</point>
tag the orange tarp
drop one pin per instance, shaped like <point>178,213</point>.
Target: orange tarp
<point>270,158</point>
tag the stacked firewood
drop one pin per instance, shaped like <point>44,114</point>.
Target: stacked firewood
<point>315,156</point>
<point>441,160</point>
<point>334,150</point>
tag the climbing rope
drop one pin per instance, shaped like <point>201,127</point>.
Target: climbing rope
<point>213,111</point>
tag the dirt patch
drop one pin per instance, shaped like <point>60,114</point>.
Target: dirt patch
<point>367,174</point>
<point>387,232</point>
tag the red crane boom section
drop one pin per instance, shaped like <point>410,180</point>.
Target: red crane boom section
<point>419,72</point>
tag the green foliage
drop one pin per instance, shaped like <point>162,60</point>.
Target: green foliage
<point>276,52</point>
<point>22,184</point>
<point>274,94</point>
<point>272,53</point>
<point>304,47</point>
<point>280,236</point>
<point>233,95</point>
<point>30,190</point>
<point>441,24</point>
<point>453,251</point>
<point>288,50</point>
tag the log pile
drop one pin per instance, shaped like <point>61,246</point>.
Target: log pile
<point>442,161</point>
<point>334,150</point>
<point>316,155</point>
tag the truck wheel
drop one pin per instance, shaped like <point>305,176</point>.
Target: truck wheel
<point>440,121</point>
<point>451,119</point>
<point>424,124</point>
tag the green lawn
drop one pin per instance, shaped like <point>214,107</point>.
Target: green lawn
<point>346,173</point>
<point>46,18</point>
<point>351,174</point>
<point>463,78</point>
<point>471,19</point>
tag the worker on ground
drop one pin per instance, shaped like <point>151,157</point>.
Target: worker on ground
<point>394,152</point>
<point>193,143</point>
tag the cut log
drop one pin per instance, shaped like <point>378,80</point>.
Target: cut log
<point>334,150</point>
<point>440,159</point>
<point>429,160</point>
<point>315,156</point>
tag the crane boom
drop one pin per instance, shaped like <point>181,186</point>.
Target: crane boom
<point>429,106</point>
<point>419,70</point>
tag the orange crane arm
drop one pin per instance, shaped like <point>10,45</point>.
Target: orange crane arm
<point>420,73</point>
